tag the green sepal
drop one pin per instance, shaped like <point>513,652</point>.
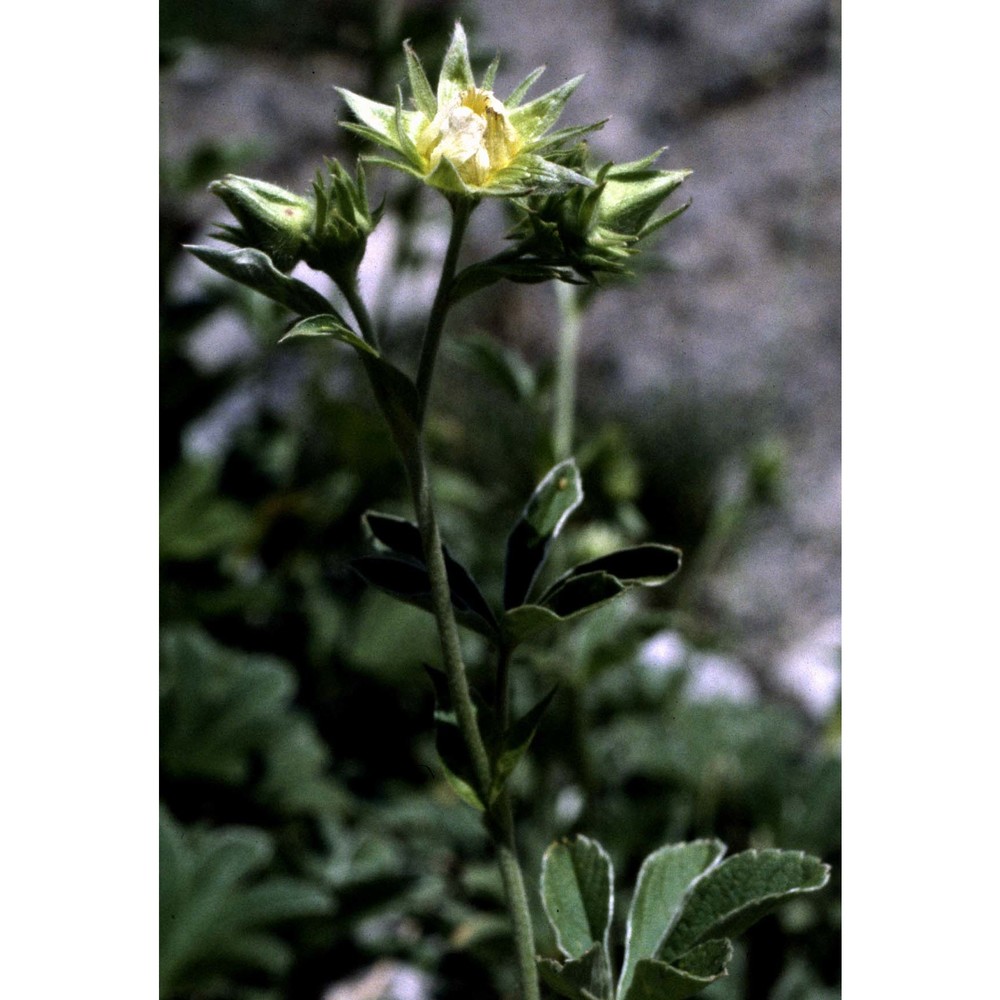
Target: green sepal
<point>402,537</point>
<point>577,889</point>
<point>513,745</point>
<point>517,94</point>
<point>585,978</point>
<point>456,70</point>
<point>740,891</point>
<point>666,880</point>
<point>378,120</point>
<point>450,745</point>
<point>328,325</point>
<point>700,967</point>
<point>256,270</point>
<point>558,494</point>
<point>532,119</point>
<point>423,93</point>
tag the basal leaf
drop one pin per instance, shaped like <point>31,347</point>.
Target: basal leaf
<point>739,892</point>
<point>655,980</point>
<point>664,882</point>
<point>577,889</point>
<point>255,269</point>
<point>585,978</point>
<point>553,500</point>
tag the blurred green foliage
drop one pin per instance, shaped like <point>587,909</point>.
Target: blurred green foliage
<point>307,829</point>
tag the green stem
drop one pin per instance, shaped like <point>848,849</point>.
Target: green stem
<point>566,362</point>
<point>451,650</point>
<point>517,899</point>
<point>461,210</point>
<point>502,690</point>
<point>349,289</point>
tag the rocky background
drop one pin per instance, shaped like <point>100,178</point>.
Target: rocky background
<point>731,349</point>
<point>737,341</point>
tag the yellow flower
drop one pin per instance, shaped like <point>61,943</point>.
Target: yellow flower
<point>463,139</point>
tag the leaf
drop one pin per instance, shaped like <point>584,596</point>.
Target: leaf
<point>329,325</point>
<point>577,888</point>
<point>403,538</point>
<point>649,565</point>
<point>498,363</point>
<point>400,404</point>
<point>553,500</point>
<point>664,882</point>
<point>217,904</point>
<point>584,978</point>
<point>256,270</point>
<point>514,744</point>
<point>450,744</point>
<point>739,892</point>
<point>655,980</point>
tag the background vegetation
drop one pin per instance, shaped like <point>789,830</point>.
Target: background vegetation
<point>307,835</point>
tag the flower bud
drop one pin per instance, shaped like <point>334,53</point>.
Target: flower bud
<point>343,222</point>
<point>270,218</point>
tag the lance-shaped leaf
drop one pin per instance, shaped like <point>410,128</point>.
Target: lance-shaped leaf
<point>591,584</point>
<point>513,745</point>
<point>400,404</point>
<point>256,270</point>
<point>665,880</point>
<point>450,745</point>
<point>584,978</point>
<point>329,325</point>
<point>700,967</point>
<point>577,889</point>
<point>553,500</point>
<point>739,892</point>
<point>402,537</point>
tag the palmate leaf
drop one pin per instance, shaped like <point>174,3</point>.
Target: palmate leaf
<point>585,978</point>
<point>228,717</point>
<point>218,905</point>
<point>577,888</point>
<point>700,967</point>
<point>664,882</point>
<point>738,893</point>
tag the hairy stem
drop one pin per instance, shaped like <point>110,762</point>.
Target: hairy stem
<point>461,210</point>
<point>565,396</point>
<point>349,289</point>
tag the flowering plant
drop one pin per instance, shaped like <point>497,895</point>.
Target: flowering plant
<point>575,224</point>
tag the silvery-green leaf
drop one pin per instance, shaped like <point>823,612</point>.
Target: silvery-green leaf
<point>655,980</point>
<point>739,892</point>
<point>585,978</point>
<point>664,883</point>
<point>577,888</point>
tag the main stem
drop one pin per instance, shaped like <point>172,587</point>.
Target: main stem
<point>566,363</point>
<point>461,210</point>
<point>499,817</point>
